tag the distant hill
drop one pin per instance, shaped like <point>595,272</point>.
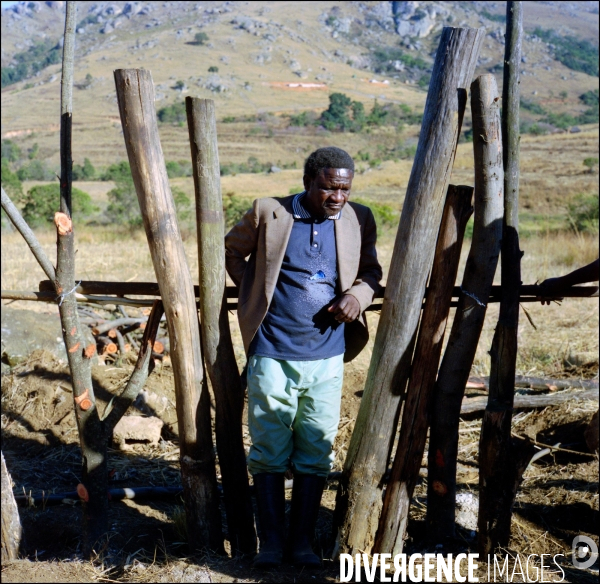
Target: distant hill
<point>267,59</point>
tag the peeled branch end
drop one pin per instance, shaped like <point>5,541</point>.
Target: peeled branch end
<point>63,223</point>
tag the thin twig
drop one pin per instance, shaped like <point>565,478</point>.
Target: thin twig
<point>555,447</point>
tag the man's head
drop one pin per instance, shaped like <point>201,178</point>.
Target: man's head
<point>328,174</point>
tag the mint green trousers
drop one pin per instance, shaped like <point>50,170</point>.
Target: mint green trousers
<point>293,414</point>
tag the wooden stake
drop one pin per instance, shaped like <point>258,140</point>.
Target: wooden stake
<point>135,94</point>
<point>359,494</point>
<point>470,314</point>
<point>415,416</point>
<point>217,346</point>
<point>503,459</point>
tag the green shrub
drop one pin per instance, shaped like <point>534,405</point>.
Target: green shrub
<point>27,63</point>
<point>172,114</point>
<point>385,215</point>
<point>213,69</point>
<point>590,163</point>
<point>35,170</point>
<point>531,106</point>
<point>11,183</point>
<point>10,151</point>
<point>252,166</point>
<point>177,169</point>
<point>234,208</point>
<point>590,97</point>
<point>537,130</point>
<point>575,53</point>
<point>200,38</point>
<point>123,207</point>
<point>42,201</point>
<point>85,171</point>
<point>383,59</point>
<point>583,213</point>
<point>562,120</point>
<point>117,171</point>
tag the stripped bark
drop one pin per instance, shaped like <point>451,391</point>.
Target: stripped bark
<point>359,495</point>
<point>501,458</point>
<point>470,314</point>
<point>217,346</point>
<point>415,416</point>
<point>11,522</point>
<point>135,94</point>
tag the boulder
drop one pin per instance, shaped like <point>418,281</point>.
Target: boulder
<point>137,429</point>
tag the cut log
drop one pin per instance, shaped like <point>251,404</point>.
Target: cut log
<point>359,497</point>
<point>415,416</point>
<point>135,95</point>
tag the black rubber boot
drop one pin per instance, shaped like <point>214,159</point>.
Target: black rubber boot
<point>270,500</point>
<point>306,500</point>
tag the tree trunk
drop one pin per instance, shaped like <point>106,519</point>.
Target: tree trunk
<point>135,94</point>
<point>216,336</point>
<point>11,523</point>
<point>470,314</point>
<point>359,494</point>
<point>415,416</point>
<point>499,467</point>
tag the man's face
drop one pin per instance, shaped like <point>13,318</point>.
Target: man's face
<point>328,192</point>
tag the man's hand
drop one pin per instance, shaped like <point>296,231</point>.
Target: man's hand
<point>346,309</point>
<point>551,289</point>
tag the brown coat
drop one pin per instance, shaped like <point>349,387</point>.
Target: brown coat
<point>263,234</point>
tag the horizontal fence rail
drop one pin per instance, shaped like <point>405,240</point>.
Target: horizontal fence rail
<point>115,292</point>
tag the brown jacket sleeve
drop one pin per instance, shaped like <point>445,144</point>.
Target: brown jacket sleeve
<point>369,270</point>
<point>240,242</point>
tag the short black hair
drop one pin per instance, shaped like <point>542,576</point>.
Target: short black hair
<point>328,157</point>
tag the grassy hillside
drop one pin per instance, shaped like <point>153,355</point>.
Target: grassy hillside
<point>260,48</point>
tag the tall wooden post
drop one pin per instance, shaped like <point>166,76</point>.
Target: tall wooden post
<point>216,336</point>
<point>470,313</point>
<point>415,416</point>
<point>502,460</point>
<point>135,94</point>
<point>359,494</point>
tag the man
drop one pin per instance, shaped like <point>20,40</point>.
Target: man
<point>312,271</point>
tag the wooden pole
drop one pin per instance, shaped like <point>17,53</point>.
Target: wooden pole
<point>135,94</point>
<point>359,494</point>
<point>502,460</point>
<point>217,346</point>
<point>11,523</point>
<point>92,435</point>
<point>415,416</point>
<point>66,110</point>
<point>88,287</point>
<point>470,314</point>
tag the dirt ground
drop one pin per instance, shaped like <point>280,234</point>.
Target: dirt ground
<point>557,501</point>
